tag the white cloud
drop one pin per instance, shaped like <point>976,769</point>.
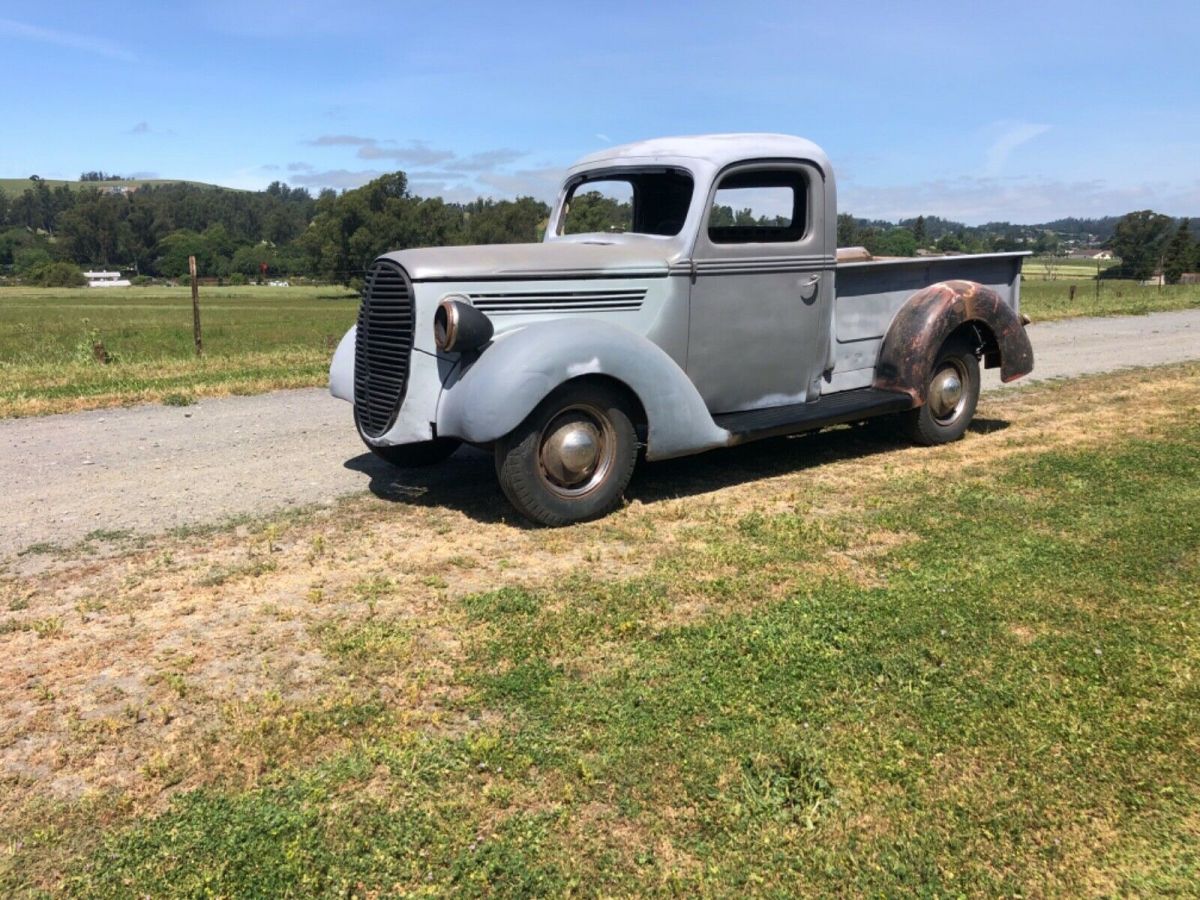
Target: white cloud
<point>433,171</point>
<point>488,159</point>
<point>418,153</point>
<point>340,140</point>
<point>339,179</point>
<point>86,42</point>
<point>1008,136</point>
<point>541,183</point>
<point>451,193</point>
<point>415,153</point>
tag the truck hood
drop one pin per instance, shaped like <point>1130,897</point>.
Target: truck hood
<point>626,256</point>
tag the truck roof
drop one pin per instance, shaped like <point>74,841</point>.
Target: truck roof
<point>717,149</point>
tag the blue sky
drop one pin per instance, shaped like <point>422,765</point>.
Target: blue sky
<point>974,111</point>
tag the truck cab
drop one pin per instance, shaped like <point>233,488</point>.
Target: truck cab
<point>688,295</point>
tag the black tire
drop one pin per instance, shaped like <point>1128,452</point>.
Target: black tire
<point>411,456</point>
<point>538,481</point>
<point>937,421</point>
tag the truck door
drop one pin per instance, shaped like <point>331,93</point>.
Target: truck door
<point>762,290</point>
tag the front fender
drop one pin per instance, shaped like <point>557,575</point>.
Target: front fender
<point>341,369</point>
<point>930,316</point>
<point>491,396</point>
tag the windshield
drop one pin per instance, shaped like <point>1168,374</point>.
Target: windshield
<point>641,202</point>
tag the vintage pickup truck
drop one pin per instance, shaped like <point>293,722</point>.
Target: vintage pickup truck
<point>688,295</point>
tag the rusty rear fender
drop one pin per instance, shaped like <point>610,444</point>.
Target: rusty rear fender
<point>930,316</point>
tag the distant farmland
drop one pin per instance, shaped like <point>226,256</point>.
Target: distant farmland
<point>15,186</point>
<point>255,339</point>
<point>262,338</point>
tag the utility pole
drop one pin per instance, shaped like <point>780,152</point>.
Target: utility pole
<point>195,307</point>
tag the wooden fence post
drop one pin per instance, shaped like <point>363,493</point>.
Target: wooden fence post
<point>195,307</point>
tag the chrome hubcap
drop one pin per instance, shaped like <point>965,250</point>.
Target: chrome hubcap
<point>573,451</point>
<point>946,393</point>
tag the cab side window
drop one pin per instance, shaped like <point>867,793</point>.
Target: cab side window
<point>759,207</point>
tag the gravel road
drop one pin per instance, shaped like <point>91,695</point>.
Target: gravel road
<point>153,467</point>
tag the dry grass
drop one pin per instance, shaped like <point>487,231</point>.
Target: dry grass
<point>118,664</point>
<point>161,644</point>
<point>137,671</point>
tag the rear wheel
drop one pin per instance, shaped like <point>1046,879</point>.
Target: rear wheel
<point>951,394</point>
<point>572,457</point>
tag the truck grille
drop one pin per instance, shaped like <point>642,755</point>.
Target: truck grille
<point>383,347</point>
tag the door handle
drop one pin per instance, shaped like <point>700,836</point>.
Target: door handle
<point>808,287</point>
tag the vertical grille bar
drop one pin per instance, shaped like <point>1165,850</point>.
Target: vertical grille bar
<point>383,347</point>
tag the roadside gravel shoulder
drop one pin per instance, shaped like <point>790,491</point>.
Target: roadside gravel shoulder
<point>149,468</point>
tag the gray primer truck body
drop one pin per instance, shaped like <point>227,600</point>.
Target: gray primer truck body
<point>708,335</point>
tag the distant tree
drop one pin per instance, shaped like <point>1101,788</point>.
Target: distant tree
<point>591,211</point>
<point>219,245</point>
<point>174,250</point>
<point>918,231</point>
<point>95,230</point>
<point>720,216</point>
<point>3,209</point>
<point>248,260</point>
<point>56,274</point>
<point>1046,243</point>
<point>11,239</point>
<point>30,258</point>
<point>893,242</point>
<point>351,229</point>
<point>33,208</point>
<point>950,243</point>
<point>1180,254</point>
<point>847,231</point>
<point>505,221</point>
<point>1139,240</point>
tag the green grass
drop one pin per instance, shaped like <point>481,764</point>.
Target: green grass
<point>1005,702</point>
<point>1063,267</point>
<point>255,338</point>
<point>1044,300</point>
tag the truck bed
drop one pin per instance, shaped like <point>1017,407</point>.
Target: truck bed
<point>870,292</point>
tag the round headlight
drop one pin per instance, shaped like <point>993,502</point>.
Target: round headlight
<point>459,326</point>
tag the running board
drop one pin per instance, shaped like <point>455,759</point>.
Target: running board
<point>831,409</point>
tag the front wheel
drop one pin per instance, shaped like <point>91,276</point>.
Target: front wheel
<point>572,457</point>
<point>951,395</point>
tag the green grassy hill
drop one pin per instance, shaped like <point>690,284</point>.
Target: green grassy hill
<point>14,186</point>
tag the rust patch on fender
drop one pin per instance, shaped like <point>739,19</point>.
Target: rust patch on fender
<point>930,316</point>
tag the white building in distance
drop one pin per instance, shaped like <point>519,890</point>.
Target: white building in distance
<point>106,279</point>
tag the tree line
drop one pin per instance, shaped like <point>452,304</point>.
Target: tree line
<point>1146,243</point>
<point>47,233</point>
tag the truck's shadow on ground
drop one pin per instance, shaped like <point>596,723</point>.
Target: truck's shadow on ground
<point>467,482</point>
